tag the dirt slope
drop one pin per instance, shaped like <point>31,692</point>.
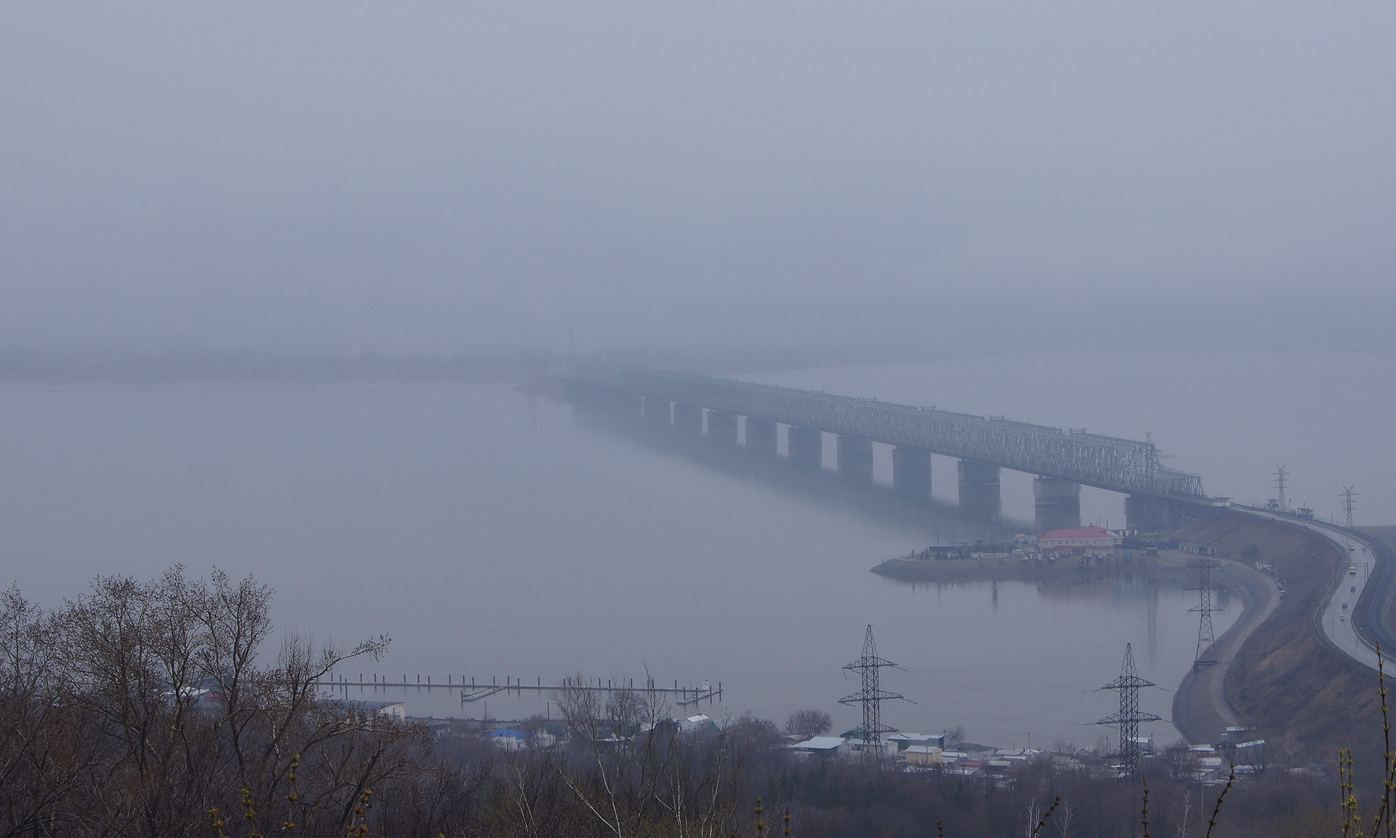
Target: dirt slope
<point>1287,680</point>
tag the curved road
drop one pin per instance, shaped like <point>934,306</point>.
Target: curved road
<point>1201,711</point>
<point>1336,614</point>
<point>1359,593</point>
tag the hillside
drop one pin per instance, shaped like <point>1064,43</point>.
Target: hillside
<point>1286,679</point>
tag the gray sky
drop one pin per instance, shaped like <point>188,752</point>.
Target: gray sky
<point>460,176</point>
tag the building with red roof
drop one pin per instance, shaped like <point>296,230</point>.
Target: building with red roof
<point>1086,539</point>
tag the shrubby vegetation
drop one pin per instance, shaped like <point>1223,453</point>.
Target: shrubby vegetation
<point>151,708</point>
<point>140,707</point>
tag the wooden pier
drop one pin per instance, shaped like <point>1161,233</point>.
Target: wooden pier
<point>709,695</point>
<point>472,691</point>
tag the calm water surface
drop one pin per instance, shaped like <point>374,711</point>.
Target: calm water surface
<point>492,534</point>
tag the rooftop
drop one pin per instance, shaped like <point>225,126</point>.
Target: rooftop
<point>1084,532</point>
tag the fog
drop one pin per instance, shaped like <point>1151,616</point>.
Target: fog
<point>453,177</point>
<point>1135,219</point>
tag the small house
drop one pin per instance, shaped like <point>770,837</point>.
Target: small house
<point>509,740</point>
<point>821,746</point>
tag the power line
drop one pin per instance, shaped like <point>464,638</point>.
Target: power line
<point>871,695</point>
<point>1349,502</point>
<point>1129,717</point>
<point>1281,480</point>
<point>1206,654</point>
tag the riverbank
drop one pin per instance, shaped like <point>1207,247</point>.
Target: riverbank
<point>1131,562</point>
<point>1286,681</point>
<point>1201,710</point>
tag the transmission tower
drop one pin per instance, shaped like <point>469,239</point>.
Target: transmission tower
<point>1206,654</point>
<point>1349,501</point>
<point>1129,716</point>
<point>871,695</point>
<point>1281,480</point>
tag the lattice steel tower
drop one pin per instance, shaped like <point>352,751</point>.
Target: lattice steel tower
<point>1349,501</point>
<point>871,695</point>
<point>1281,480</point>
<point>1206,654</point>
<point>1129,716</point>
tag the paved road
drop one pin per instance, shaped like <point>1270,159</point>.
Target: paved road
<point>1201,712</point>
<point>1334,618</point>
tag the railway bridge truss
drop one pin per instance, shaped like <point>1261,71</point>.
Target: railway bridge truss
<point>1075,457</point>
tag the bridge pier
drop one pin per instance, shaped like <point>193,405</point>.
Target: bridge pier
<point>1147,513</point>
<point>688,418</point>
<point>1057,502</point>
<point>805,446</point>
<point>657,410</point>
<point>855,459</point>
<point>722,426</point>
<point>911,472</point>
<point>761,436</point>
<point>1174,498</point>
<point>979,489</point>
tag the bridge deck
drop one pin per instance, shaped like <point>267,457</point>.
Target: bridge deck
<point>1119,465</point>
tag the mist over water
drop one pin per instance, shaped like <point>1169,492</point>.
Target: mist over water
<point>1170,220</point>
<point>495,534</point>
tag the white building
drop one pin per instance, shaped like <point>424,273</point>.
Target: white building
<point>824,746</point>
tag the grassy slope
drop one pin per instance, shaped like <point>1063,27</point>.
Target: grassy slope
<point>1286,678</point>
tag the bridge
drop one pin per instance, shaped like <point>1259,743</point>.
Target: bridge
<point>1158,499</point>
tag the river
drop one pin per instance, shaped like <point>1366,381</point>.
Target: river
<point>491,534</point>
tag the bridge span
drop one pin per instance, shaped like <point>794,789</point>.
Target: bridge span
<point>1158,499</point>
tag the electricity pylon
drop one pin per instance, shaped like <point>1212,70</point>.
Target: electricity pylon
<point>1281,479</point>
<point>1206,655</point>
<point>1349,501</point>
<point>1129,716</point>
<point>871,695</point>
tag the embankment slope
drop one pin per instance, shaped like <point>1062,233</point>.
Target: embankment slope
<point>1286,679</point>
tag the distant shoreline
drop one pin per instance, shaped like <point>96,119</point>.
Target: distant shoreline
<point>969,570</point>
<point>33,368</point>
<point>95,366</point>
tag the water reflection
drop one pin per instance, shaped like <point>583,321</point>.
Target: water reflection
<point>943,522</point>
<point>493,535</point>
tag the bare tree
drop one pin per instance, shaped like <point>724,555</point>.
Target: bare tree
<point>1064,818</point>
<point>110,727</point>
<point>637,772</point>
<point>128,651</point>
<point>45,758</point>
<point>807,723</point>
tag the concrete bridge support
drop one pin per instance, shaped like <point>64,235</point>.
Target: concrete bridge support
<point>688,418</point>
<point>657,410</point>
<point>722,426</point>
<point>911,472</point>
<point>761,436</point>
<point>1058,504</point>
<point>806,447</point>
<point>1152,514</point>
<point>979,489</point>
<point>855,459</point>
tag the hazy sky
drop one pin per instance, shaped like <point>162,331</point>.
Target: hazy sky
<point>456,176</point>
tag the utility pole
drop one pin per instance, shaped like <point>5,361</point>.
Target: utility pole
<point>1349,501</point>
<point>1205,655</point>
<point>1281,479</point>
<point>871,695</point>
<point>1129,716</point>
